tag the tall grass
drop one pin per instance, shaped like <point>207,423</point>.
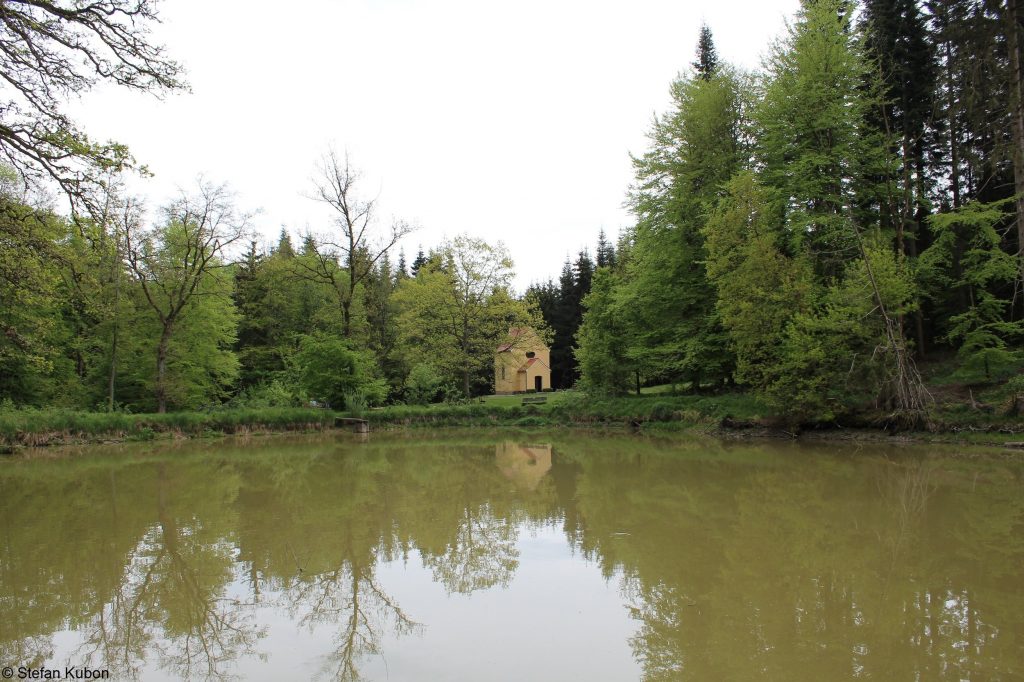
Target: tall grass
<point>40,427</point>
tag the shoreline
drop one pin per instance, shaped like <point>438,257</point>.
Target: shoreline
<point>28,429</point>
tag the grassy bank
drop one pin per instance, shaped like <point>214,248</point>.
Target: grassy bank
<point>570,409</point>
<point>46,427</point>
<point>726,413</point>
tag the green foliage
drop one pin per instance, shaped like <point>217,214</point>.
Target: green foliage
<point>31,330</point>
<point>830,359</point>
<point>760,289</point>
<point>967,256</point>
<point>422,384</point>
<point>604,366</point>
<point>329,370</point>
<point>811,142</point>
<point>456,311</point>
<point>41,427</point>
<point>674,328</point>
<point>269,394</point>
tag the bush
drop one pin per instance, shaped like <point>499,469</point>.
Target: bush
<point>330,371</point>
<point>422,385</point>
<point>268,394</point>
<point>662,411</point>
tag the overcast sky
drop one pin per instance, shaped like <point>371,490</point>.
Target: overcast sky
<point>509,121</point>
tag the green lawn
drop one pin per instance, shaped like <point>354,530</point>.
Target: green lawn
<point>553,398</point>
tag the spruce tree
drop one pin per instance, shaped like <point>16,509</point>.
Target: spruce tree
<point>605,251</point>
<point>418,262</point>
<point>706,64</point>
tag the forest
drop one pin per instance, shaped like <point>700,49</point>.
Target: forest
<point>835,232</point>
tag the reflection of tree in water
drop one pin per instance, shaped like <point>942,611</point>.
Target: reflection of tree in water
<point>351,598</point>
<point>775,568</point>
<point>171,600</point>
<point>481,554</point>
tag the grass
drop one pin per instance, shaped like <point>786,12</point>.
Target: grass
<point>43,427</point>
<point>573,408</point>
<point>660,410</point>
<point>552,399</point>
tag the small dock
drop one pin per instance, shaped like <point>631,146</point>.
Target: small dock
<point>357,425</point>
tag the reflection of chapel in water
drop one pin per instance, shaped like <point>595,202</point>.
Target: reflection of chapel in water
<point>524,465</point>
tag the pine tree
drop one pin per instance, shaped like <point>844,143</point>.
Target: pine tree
<point>418,262</point>
<point>249,296</point>
<point>564,325</point>
<point>403,271</point>
<point>284,245</point>
<point>605,251</point>
<point>706,65</point>
<point>904,61</point>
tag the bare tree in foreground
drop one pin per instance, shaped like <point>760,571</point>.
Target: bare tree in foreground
<point>358,248</point>
<point>171,262</point>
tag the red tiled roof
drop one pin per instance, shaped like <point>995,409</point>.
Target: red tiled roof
<point>529,363</point>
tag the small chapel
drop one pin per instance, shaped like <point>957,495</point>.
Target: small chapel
<point>522,364</point>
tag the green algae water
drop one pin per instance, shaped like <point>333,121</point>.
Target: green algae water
<point>512,556</point>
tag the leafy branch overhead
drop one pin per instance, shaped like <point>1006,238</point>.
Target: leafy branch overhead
<point>52,50</point>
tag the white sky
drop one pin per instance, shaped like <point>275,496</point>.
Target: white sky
<point>509,121</point>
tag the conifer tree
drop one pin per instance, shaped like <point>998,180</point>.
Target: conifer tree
<point>706,65</point>
<point>418,262</point>
<point>670,304</point>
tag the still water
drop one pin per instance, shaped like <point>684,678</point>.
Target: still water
<point>513,556</point>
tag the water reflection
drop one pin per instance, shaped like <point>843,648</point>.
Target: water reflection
<point>525,464</point>
<point>730,562</point>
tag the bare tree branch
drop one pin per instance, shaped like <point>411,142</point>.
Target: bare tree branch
<point>336,185</point>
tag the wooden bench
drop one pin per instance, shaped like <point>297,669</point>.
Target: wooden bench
<point>358,425</point>
<point>535,400</point>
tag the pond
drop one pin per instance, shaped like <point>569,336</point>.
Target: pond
<point>513,555</point>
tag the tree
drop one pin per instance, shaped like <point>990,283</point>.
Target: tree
<point>809,129</point>
<point>455,316</point>
<point>605,251</point>
<point>331,370</point>
<point>181,261</point>
<point>706,64</point>
<point>903,70</point>
<point>1014,19</point>
<point>52,48</point>
<point>667,298</point>
<point>418,262</point>
<point>981,330</point>
<point>904,61</point>
<point>382,332</point>
<point>759,288</point>
<point>337,186</point>
<point>31,337</point>
<point>601,340</point>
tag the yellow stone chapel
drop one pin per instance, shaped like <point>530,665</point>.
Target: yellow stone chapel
<point>522,364</point>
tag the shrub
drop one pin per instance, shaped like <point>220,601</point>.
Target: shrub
<point>422,385</point>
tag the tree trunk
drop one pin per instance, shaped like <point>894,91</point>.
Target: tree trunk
<point>954,149</point>
<point>346,317</point>
<point>465,383</point>
<point>1017,113</point>
<point>113,369</point>
<point>161,370</point>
